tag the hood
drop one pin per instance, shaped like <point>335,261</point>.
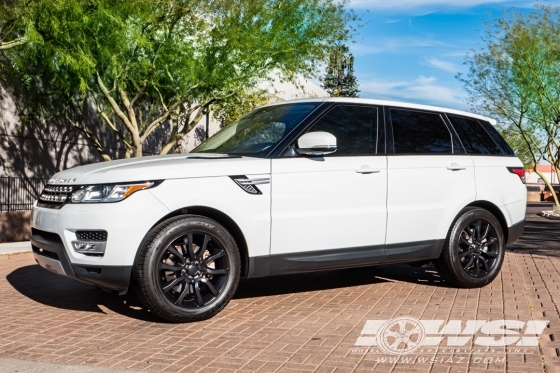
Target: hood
<point>176,166</point>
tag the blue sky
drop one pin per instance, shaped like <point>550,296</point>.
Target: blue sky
<point>411,50</point>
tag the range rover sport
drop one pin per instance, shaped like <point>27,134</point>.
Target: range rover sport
<point>295,186</point>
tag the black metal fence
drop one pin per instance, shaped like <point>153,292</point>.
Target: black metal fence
<point>19,193</point>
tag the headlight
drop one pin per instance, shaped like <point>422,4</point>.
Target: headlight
<point>109,192</point>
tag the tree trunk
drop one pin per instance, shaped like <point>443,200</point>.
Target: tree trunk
<point>547,182</point>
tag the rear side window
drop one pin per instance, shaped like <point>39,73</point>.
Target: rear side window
<point>416,132</point>
<point>355,129</point>
<point>504,146</point>
<point>474,137</point>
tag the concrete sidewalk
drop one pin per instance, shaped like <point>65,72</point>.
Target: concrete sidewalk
<point>15,247</point>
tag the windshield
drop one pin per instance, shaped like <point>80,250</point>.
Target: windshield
<point>257,133</point>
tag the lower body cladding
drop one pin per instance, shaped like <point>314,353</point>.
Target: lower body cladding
<point>50,253</point>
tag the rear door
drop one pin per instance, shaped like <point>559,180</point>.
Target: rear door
<point>492,158</point>
<point>430,179</point>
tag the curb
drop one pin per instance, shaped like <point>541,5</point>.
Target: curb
<point>15,247</point>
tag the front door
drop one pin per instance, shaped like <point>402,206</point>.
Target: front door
<point>331,211</point>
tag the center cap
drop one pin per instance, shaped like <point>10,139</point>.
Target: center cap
<point>192,269</point>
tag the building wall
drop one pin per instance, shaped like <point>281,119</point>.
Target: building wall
<point>531,177</point>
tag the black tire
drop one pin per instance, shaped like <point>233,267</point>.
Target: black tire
<point>474,248</point>
<point>187,269</point>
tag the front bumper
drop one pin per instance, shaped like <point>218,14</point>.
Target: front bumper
<point>126,223</point>
<point>52,255</point>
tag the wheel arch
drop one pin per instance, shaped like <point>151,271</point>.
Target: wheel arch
<point>224,220</point>
<point>496,211</point>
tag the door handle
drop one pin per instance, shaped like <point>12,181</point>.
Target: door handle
<point>367,170</point>
<point>456,167</point>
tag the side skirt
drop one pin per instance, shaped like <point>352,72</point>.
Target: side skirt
<point>320,260</point>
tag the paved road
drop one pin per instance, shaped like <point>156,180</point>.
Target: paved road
<point>297,323</point>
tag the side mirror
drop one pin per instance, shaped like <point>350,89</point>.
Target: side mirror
<point>316,143</point>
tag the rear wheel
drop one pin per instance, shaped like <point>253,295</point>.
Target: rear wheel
<point>474,249</point>
<point>188,269</point>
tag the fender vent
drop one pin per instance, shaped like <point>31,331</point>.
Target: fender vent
<point>250,185</point>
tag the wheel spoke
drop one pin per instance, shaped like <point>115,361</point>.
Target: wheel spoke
<point>169,267</point>
<point>465,253</point>
<point>470,262</point>
<point>484,263</point>
<point>212,258</point>
<point>212,271</point>
<point>463,240</point>
<point>491,241</point>
<point>200,252</point>
<point>183,293</point>
<point>176,253</point>
<point>198,296</point>
<point>489,253</point>
<point>171,284</point>
<point>477,265</point>
<point>210,286</point>
<point>477,226</point>
<point>189,246</point>
<point>485,232</point>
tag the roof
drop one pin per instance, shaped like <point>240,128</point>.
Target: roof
<point>407,105</point>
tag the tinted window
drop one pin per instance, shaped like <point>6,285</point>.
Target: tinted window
<point>355,129</point>
<point>506,149</point>
<point>420,133</point>
<point>474,137</point>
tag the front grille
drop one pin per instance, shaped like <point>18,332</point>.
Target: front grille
<point>96,236</point>
<point>55,196</point>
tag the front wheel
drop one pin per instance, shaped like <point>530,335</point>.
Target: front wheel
<point>188,269</point>
<point>473,252</point>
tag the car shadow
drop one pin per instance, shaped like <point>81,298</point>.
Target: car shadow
<point>42,286</point>
<point>342,278</point>
<point>50,289</point>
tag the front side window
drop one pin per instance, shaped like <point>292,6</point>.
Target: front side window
<point>474,137</point>
<point>257,133</point>
<point>417,132</point>
<point>355,129</point>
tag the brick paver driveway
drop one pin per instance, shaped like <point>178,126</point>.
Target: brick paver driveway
<point>298,323</point>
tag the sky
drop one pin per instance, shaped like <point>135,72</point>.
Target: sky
<point>412,50</point>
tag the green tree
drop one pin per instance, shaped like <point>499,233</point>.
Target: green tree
<point>516,79</point>
<point>339,80</point>
<point>138,65</point>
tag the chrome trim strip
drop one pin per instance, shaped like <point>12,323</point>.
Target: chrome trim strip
<point>253,181</point>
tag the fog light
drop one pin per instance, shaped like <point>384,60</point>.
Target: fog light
<point>89,248</point>
<point>83,246</point>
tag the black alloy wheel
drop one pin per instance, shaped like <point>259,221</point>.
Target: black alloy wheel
<point>193,270</point>
<point>478,248</point>
<point>474,249</point>
<point>188,269</point>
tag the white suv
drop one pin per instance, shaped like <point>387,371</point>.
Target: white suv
<point>296,186</point>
